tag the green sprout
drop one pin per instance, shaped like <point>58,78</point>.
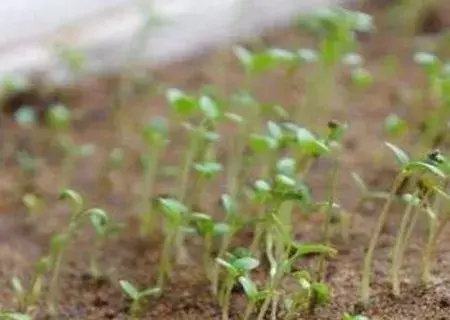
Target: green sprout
<point>136,296</point>
<point>104,229</point>
<point>176,217</point>
<point>253,295</point>
<point>34,204</point>
<point>59,243</point>
<point>408,168</point>
<point>309,295</point>
<point>208,229</point>
<point>234,267</point>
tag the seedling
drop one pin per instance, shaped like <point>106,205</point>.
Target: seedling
<point>253,295</point>
<point>408,168</point>
<point>310,295</point>
<point>104,229</point>
<point>234,267</point>
<point>176,217</point>
<point>34,204</point>
<point>136,296</point>
<point>59,243</point>
<point>28,297</point>
<point>208,229</point>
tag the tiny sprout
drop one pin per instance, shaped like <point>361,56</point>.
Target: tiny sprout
<point>234,268</point>
<point>208,169</point>
<point>58,117</point>
<point>25,116</point>
<point>395,126</point>
<point>136,296</point>
<point>210,108</point>
<point>361,78</point>
<point>182,105</point>
<point>104,229</point>
<point>33,203</point>
<point>175,216</point>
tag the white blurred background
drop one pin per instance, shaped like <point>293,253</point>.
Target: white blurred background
<point>109,34</point>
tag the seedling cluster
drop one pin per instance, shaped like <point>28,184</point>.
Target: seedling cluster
<point>262,177</point>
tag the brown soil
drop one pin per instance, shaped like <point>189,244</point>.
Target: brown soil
<point>24,239</point>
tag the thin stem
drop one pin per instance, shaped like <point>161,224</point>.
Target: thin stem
<point>53,287</point>
<point>367,271</point>
<point>164,267</point>
<point>399,241</point>
<point>428,251</point>
<point>226,299</point>
<point>147,218</point>
<point>249,310</point>
<point>321,269</point>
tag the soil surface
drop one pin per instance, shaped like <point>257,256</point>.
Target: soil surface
<point>25,238</point>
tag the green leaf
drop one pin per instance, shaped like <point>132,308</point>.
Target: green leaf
<point>307,55</point>
<point>400,155</point>
<point>361,77</point>
<point>228,204</point>
<point>303,249</point>
<point>262,187</point>
<point>155,131</point>
<point>308,143</point>
<point>182,104</point>
<point>286,166</point>
<point>229,267</point>
<point>249,287</point>
<point>411,199</point>
<point>58,117</point>
<point>74,198</point>
<point>245,264</point>
<point>275,130</point>
<point>17,285</point>
<point>261,143</point>
<point>129,290</point>
<point>394,125</point>
<point>99,220</point>
<point>173,210</point>
<point>25,116</point>
<point>221,228</point>
<point>209,107</point>
<point>419,166</point>
<point>208,169</point>
<point>322,292</point>
<point>244,56</point>
<point>281,55</point>
<point>150,292</point>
